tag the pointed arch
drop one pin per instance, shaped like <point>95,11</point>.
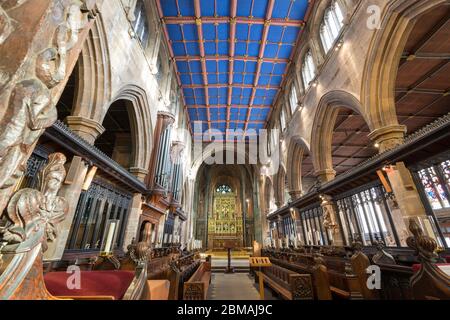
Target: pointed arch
<point>323,127</point>
<point>298,147</point>
<point>386,48</point>
<point>94,74</point>
<point>140,122</point>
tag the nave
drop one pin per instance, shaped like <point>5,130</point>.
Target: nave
<point>143,143</point>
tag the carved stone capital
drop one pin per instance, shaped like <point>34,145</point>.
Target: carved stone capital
<point>295,194</point>
<point>325,175</point>
<point>140,173</point>
<point>86,128</point>
<point>388,137</point>
<point>166,117</point>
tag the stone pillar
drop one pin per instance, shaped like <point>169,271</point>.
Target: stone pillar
<point>76,172</point>
<point>86,128</point>
<point>388,137</point>
<point>330,222</point>
<point>131,230</point>
<point>325,175</point>
<point>407,203</point>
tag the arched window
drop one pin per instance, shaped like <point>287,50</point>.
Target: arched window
<point>308,69</point>
<point>224,189</point>
<point>282,119</point>
<point>332,23</point>
<point>140,24</point>
<point>293,100</point>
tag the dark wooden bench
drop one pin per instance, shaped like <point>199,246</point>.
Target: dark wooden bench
<point>288,284</point>
<point>196,288</point>
<point>333,276</point>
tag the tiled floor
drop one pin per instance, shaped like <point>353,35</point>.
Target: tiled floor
<point>234,286</point>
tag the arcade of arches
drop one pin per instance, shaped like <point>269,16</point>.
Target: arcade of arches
<point>174,141</point>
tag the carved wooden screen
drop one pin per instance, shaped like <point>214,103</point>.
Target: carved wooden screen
<point>314,232</point>
<point>364,214</point>
<point>35,164</point>
<point>168,229</point>
<point>96,205</point>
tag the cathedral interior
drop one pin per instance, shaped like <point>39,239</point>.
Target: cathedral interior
<point>224,150</point>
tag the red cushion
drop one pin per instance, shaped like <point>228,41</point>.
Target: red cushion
<point>92,283</point>
<point>416,267</point>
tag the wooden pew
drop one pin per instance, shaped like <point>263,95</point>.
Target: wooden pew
<point>196,288</point>
<point>110,279</point>
<point>430,282</point>
<point>288,284</point>
<point>331,270</point>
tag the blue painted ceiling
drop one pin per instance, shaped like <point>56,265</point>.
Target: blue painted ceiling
<point>242,100</point>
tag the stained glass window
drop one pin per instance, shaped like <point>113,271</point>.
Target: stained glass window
<point>433,186</point>
<point>224,189</point>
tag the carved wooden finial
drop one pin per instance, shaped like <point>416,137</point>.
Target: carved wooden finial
<point>423,244</point>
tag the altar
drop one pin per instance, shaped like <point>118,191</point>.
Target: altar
<point>225,222</point>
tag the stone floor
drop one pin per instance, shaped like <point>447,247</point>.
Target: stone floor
<point>216,262</point>
<point>235,286</point>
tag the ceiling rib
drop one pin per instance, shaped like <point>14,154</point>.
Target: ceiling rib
<point>231,59</point>
<point>198,21</point>
<point>262,48</point>
<point>244,20</point>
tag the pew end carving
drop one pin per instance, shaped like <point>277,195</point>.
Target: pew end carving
<point>429,282</point>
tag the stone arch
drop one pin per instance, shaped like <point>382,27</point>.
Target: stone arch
<point>380,71</point>
<point>94,74</point>
<point>323,127</point>
<point>141,128</point>
<point>298,147</point>
<point>280,185</point>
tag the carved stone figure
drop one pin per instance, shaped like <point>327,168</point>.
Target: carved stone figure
<point>42,206</point>
<point>30,111</point>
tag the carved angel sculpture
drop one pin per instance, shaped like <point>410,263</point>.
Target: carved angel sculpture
<point>44,205</point>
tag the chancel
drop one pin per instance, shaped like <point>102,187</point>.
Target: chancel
<point>224,150</point>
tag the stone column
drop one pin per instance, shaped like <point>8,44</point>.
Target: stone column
<point>407,203</point>
<point>86,128</point>
<point>388,137</point>
<point>76,173</point>
<point>330,222</point>
<point>131,230</point>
